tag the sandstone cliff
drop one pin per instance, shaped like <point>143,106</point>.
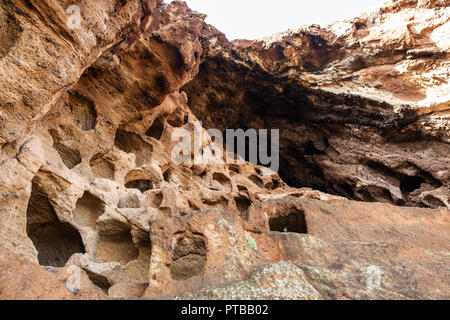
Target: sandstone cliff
<point>87,179</point>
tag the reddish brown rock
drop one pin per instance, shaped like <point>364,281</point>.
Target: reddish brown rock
<point>23,280</point>
<point>88,182</point>
<point>362,104</point>
<point>339,242</point>
<point>85,182</point>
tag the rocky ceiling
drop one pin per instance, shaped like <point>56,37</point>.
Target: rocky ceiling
<point>362,105</point>
<point>88,185</point>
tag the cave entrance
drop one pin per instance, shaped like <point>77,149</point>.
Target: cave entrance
<point>290,222</point>
<point>54,240</point>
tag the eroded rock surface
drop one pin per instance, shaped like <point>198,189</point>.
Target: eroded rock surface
<point>87,179</point>
<point>363,104</point>
<point>43,283</point>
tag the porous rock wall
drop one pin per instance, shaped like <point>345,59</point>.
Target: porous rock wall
<point>87,180</point>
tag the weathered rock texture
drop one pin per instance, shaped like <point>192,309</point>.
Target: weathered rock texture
<point>35,282</point>
<point>87,179</point>
<point>363,104</point>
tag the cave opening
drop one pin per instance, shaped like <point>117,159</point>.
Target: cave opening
<point>142,185</point>
<point>131,142</point>
<point>55,241</point>
<point>71,157</point>
<point>409,184</point>
<point>242,203</point>
<point>83,111</point>
<point>314,150</point>
<point>87,210</point>
<point>223,180</point>
<point>298,172</point>
<point>102,167</point>
<point>99,280</point>
<point>291,222</point>
<point>156,129</point>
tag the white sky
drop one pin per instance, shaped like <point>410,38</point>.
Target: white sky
<point>252,19</point>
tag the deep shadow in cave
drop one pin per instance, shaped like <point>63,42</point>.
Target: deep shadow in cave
<point>290,222</point>
<point>54,240</point>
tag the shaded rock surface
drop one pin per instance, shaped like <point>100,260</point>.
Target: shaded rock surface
<point>87,179</point>
<point>362,104</point>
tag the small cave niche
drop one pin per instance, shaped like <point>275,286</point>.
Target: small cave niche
<point>223,180</point>
<point>142,185</point>
<point>360,25</point>
<point>99,280</point>
<point>242,188</point>
<point>154,199</point>
<point>133,143</point>
<point>140,180</point>
<point>375,194</point>
<point>220,202</point>
<point>408,184</point>
<point>137,270</point>
<point>102,167</point>
<point>188,256</point>
<point>70,157</point>
<point>177,118</point>
<point>54,240</point>
<point>167,175</point>
<point>156,129</point>
<point>161,83</point>
<point>273,185</point>
<point>256,180</point>
<point>87,210</point>
<point>129,201</point>
<point>259,172</point>
<point>242,203</point>
<point>298,172</point>
<point>290,222</point>
<point>275,54</point>
<point>115,244</point>
<point>344,189</point>
<point>83,111</point>
<point>234,168</point>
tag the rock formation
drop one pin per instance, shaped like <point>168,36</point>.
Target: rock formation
<point>88,184</point>
<point>363,103</point>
